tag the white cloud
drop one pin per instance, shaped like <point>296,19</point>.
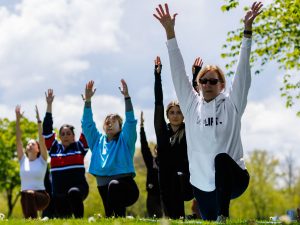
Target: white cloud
<point>268,125</point>
<point>52,38</point>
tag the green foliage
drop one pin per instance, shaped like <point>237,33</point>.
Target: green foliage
<point>276,38</point>
<point>9,170</point>
<point>263,198</point>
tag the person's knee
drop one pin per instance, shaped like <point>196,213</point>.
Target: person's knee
<point>74,193</point>
<point>221,158</point>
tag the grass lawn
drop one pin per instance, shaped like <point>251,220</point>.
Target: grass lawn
<point>118,221</point>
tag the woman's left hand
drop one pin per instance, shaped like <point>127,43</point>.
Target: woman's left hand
<point>252,14</point>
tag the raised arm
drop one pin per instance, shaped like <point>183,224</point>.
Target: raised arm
<point>195,71</point>
<point>168,22</point>
<point>242,78</point>
<point>48,121</point>
<point>19,143</point>
<point>183,87</point>
<point>147,156</point>
<point>160,124</point>
<point>88,125</point>
<point>43,148</point>
<point>49,99</point>
<point>250,16</point>
<point>129,128</point>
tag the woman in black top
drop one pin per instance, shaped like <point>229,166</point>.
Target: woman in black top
<point>171,152</point>
<point>153,198</point>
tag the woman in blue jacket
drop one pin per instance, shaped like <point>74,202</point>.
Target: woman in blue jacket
<point>112,154</point>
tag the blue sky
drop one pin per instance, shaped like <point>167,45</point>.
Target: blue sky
<point>63,44</point>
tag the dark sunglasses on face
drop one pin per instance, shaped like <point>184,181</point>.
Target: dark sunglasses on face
<point>211,81</point>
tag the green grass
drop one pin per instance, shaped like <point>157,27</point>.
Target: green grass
<point>121,221</point>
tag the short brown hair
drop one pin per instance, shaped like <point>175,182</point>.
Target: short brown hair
<point>213,68</point>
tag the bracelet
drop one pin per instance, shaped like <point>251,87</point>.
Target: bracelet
<point>126,98</point>
<point>39,121</point>
<point>248,32</point>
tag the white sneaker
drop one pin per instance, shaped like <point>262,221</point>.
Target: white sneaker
<point>221,219</point>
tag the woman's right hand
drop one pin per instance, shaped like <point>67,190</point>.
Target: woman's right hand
<point>49,96</point>
<point>157,63</point>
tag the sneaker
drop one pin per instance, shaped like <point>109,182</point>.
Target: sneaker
<point>221,219</point>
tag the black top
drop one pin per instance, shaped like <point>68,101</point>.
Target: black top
<point>170,156</point>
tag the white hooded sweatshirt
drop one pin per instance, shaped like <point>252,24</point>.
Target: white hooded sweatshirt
<point>211,127</point>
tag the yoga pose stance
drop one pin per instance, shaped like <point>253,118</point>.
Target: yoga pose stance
<point>33,165</point>
<point>69,186</point>
<point>112,154</point>
<point>213,122</point>
<point>172,156</point>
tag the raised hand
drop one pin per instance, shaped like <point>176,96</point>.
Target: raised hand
<point>142,119</point>
<point>252,14</point>
<point>49,96</point>
<point>124,89</point>
<point>19,115</point>
<point>168,22</point>
<point>157,64</point>
<point>19,144</point>
<point>89,91</point>
<point>197,66</point>
<point>37,114</point>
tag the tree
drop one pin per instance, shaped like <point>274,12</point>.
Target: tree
<point>9,169</point>
<point>276,38</point>
<point>262,199</point>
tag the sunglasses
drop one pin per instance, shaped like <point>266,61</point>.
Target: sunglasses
<point>211,81</point>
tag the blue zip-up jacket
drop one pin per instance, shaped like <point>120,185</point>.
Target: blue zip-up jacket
<point>114,157</point>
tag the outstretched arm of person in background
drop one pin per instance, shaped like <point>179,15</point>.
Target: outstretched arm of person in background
<point>49,99</point>
<point>43,148</point>
<point>88,94</point>
<point>158,93</point>
<point>19,143</point>
<point>48,120</point>
<point>168,22</point>
<point>146,152</point>
<point>242,78</point>
<point>88,125</point>
<point>125,93</point>
<point>197,66</point>
<point>160,124</point>
<point>129,128</point>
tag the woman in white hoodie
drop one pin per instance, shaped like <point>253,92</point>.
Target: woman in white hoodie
<point>213,122</point>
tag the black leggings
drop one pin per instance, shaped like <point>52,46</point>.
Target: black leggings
<point>231,182</point>
<point>117,195</point>
<point>71,203</point>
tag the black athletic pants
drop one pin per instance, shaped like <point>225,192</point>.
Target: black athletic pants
<point>231,181</point>
<point>117,195</point>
